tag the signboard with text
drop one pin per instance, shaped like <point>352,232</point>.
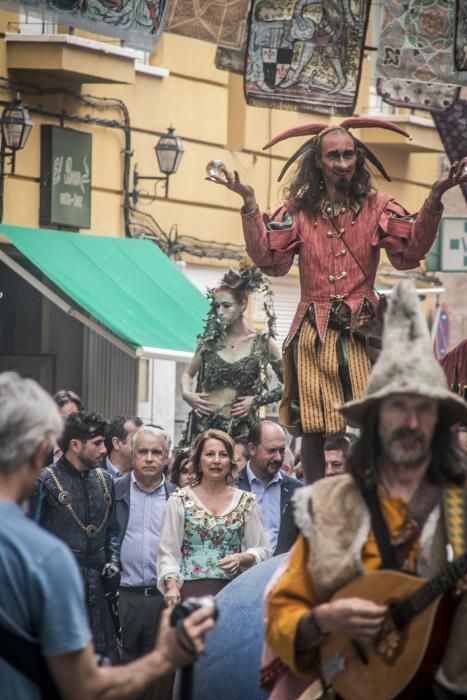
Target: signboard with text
<point>449,251</point>
<point>66,158</point>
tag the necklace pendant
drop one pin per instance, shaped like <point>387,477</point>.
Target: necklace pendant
<point>91,531</point>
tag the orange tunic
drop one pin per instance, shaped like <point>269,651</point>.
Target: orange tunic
<point>294,595</point>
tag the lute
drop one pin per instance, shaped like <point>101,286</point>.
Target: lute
<point>403,658</point>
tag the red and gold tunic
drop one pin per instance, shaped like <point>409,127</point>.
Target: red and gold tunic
<point>328,251</point>
<point>327,269</point>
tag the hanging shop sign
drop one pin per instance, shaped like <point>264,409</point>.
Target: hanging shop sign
<point>65,193</point>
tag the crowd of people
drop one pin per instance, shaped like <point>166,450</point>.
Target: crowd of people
<point>55,591</point>
<point>130,528</point>
<point>147,526</point>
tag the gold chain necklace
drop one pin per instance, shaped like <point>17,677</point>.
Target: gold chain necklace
<point>330,208</point>
<point>64,497</point>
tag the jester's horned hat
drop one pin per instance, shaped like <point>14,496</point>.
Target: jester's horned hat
<point>317,130</point>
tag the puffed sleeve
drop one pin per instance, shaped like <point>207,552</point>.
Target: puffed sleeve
<point>292,597</point>
<point>406,239</point>
<point>169,555</point>
<point>272,242</point>
<point>255,540</point>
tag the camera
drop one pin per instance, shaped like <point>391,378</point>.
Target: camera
<point>190,605</point>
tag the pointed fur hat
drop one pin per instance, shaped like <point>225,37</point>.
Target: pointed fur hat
<point>407,364</point>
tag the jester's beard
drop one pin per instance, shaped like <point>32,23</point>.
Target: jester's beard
<point>343,186</point>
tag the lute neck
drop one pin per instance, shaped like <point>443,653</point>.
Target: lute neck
<point>417,601</point>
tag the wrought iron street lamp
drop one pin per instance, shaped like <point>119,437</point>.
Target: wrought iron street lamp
<point>16,125</point>
<point>169,153</point>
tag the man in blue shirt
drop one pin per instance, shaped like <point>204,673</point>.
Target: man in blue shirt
<point>41,592</point>
<point>141,497</point>
<point>263,477</point>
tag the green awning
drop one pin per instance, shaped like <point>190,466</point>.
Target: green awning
<point>128,285</point>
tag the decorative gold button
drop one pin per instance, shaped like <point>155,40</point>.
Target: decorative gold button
<point>64,497</point>
<point>331,278</point>
<point>330,234</point>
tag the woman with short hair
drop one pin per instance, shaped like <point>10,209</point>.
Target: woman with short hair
<point>181,470</point>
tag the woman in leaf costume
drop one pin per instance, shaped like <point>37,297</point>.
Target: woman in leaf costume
<point>232,361</point>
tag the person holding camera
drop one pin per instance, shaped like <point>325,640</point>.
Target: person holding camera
<point>46,648</point>
<point>210,530</point>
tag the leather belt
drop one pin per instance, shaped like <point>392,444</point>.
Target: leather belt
<point>147,591</point>
<point>339,316</point>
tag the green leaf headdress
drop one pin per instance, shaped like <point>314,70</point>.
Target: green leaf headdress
<point>248,279</point>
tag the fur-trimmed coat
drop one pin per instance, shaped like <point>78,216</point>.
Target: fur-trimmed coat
<point>335,523</point>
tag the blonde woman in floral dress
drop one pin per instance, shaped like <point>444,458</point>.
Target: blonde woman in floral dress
<point>210,530</point>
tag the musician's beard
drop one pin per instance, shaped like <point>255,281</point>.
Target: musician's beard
<point>403,453</point>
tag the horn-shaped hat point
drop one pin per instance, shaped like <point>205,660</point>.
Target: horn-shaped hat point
<point>304,130</point>
<point>316,128</point>
<point>369,123</point>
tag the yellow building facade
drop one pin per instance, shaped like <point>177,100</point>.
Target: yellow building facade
<point>92,84</point>
<point>207,109</point>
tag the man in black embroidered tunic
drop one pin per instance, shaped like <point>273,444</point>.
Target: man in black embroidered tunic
<point>75,501</point>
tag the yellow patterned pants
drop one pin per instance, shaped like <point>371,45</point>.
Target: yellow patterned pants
<point>319,377</point>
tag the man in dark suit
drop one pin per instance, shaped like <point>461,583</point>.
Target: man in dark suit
<point>141,496</point>
<point>118,444</point>
<point>263,477</point>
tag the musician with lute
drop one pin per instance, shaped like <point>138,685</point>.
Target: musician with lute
<point>370,601</point>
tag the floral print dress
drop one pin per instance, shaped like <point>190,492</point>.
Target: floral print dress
<point>193,540</point>
<point>208,538</point>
